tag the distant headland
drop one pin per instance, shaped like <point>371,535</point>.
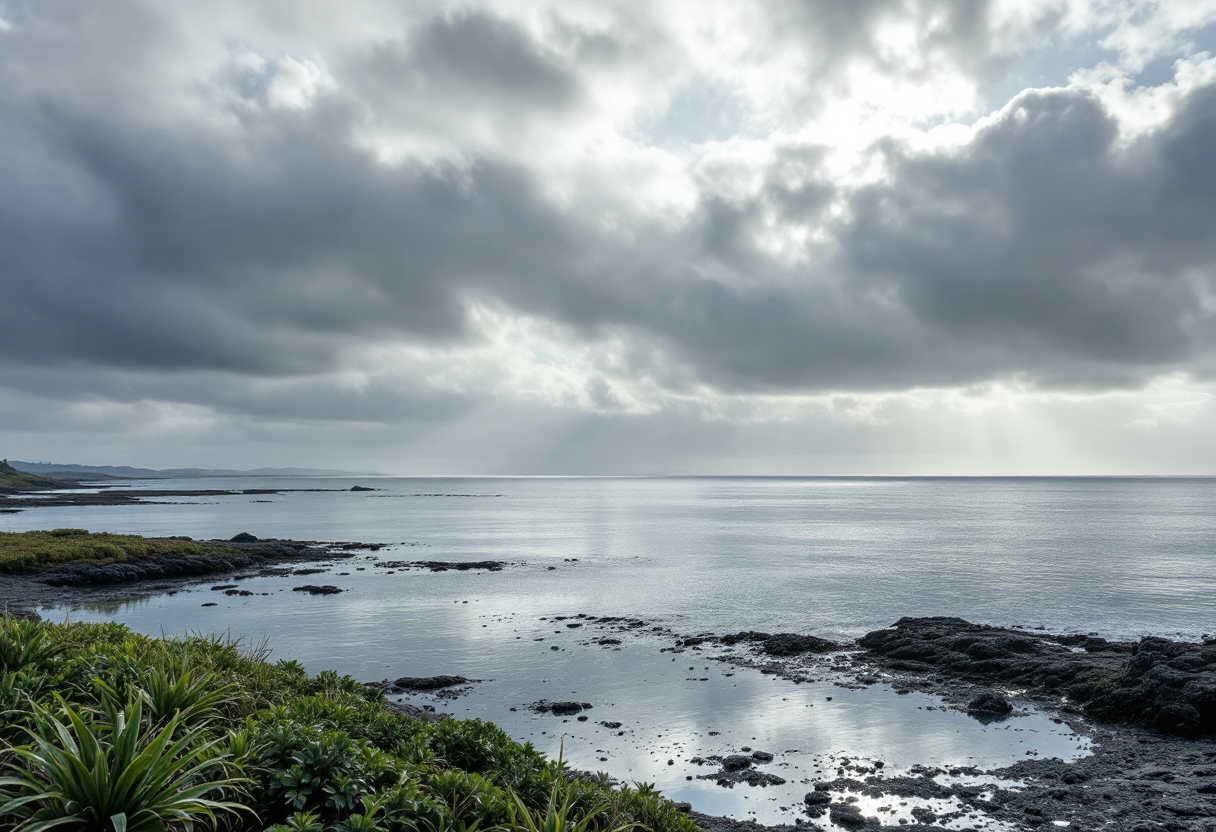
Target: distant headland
<point>69,470</point>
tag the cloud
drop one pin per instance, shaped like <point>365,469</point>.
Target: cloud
<point>410,215</point>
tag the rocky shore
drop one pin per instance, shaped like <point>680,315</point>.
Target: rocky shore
<point>1148,707</point>
<point>23,594</point>
<point>109,495</point>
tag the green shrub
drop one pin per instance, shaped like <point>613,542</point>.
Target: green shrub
<point>193,719</point>
<point>28,551</point>
<point>24,644</point>
<point>119,774</point>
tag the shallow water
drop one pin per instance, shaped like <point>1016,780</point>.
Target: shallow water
<point>831,557</point>
<point>672,706</point>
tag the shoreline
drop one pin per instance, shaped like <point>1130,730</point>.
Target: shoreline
<point>1136,774</point>
<point>109,494</point>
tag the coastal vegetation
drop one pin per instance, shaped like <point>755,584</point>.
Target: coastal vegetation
<point>106,729</point>
<point>30,551</point>
<point>12,480</point>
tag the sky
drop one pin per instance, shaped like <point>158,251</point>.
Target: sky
<point>790,237</point>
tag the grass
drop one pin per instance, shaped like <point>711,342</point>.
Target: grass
<point>105,730</point>
<point>31,551</point>
<point>13,480</point>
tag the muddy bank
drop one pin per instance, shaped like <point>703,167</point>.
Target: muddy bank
<point>85,582</point>
<point>109,495</point>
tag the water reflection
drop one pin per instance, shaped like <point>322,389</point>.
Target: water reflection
<point>672,709</point>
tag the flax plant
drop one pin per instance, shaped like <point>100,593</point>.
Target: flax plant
<point>120,775</point>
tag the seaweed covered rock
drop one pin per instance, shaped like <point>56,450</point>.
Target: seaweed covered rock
<point>1157,683</point>
<point>989,703</point>
<point>779,644</point>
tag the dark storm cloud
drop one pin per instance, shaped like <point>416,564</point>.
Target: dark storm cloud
<point>197,256</point>
<point>267,246</point>
<point>1050,245</point>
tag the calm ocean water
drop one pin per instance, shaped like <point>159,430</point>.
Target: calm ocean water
<point>1123,557</point>
<point>832,557</point>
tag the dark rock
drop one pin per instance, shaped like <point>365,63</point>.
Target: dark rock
<point>1156,683</point>
<point>736,762</point>
<point>818,798</point>
<point>792,644</point>
<point>762,756</point>
<point>411,711</point>
<point>989,703</point>
<point>312,589</point>
<point>748,635</point>
<point>560,708</point>
<point>846,815</point>
<point>426,683</point>
<point>445,565</point>
<point>781,644</point>
<point>244,537</point>
<point>361,488</point>
<point>612,725</point>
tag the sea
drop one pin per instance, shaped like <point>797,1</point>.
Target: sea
<point>832,557</point>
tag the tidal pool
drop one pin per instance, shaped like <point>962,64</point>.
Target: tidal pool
<point>674,706</point>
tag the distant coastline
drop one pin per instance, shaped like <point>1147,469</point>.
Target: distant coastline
<point>56,469</point>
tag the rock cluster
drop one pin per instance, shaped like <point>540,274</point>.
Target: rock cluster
<point>1155,683</point>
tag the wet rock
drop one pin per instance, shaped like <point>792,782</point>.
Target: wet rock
<point>1156,683</point>
<point>561,708</point>
<point>414,684</point>
<point>736,762</point>
<point>445,565</point>
<point>312,589</point>
<point>243,537</point>
<point>850,817</point>
<point>411,711</point>
<point>762,756</point>
<point>781,644</point>
<point>817,798</point>
<point>989,703</point>
<point>361,488</point>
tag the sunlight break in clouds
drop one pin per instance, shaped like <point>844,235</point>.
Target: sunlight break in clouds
<point>795,237</point>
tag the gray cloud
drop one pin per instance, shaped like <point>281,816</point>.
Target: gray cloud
<point>150,255</point>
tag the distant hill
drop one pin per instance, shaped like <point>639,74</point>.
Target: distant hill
<point>12,480</point>
<point>59,469</point>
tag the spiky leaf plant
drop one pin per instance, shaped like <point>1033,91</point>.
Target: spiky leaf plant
<point>124,775</point>
<point>184,692</point>
<point>23,644</point>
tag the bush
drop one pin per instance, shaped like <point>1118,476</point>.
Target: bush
<point>128,733</point>
<point>89,772</point>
